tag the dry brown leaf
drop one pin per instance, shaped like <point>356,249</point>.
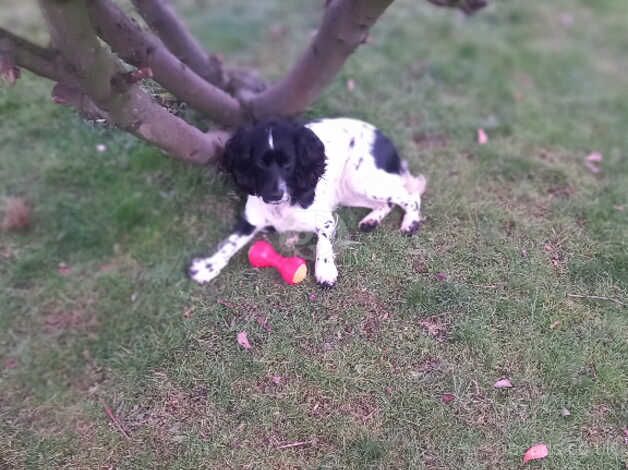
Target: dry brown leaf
<point>17,214</point>
<point>243,340</point>
<point>482,137</point>
<point>447,398</point>
<point>503,383</point>
<point>536,452</point>
<point>593,161</point>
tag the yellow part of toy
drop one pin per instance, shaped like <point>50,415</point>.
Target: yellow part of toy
<point>299,274</point>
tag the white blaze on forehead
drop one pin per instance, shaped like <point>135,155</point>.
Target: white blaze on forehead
<point>270,139</point>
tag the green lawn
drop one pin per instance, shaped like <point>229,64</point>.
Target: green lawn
<point>517,226</point>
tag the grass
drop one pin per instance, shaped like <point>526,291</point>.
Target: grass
<point>513,226</point>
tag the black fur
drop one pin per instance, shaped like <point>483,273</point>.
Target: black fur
<point>385,153</point>
<point>297,158</point>
<point>243,227</point>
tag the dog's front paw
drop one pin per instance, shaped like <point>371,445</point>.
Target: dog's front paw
<point>202,270</point>
<point>326,273</point>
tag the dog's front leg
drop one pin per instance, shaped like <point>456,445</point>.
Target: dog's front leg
<point>203,270</point>
<point>325,269</point>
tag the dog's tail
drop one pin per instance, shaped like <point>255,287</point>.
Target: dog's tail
<point>414,184</point>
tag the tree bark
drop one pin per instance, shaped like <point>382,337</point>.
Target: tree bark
<point>40,60</point>
<point>142,49</point>
<point>101,76</point>
<point>49,63</point>
<point>344,27</point>
<point>162,19</point>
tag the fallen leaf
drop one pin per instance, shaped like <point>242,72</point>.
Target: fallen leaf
<point>592,162</point>
<point>503,383</point>
<point>276,379</point>
<point>482,137</point>
<point>555,325</point>
<point>447,398</point>
<point>10,363</point>
<point>441,277</point>
<point>17,214</point>
<point>536,452</point>
<point>564,412</point>
<point>312,297</point>
<point>64,269</point>
<point>243,340</point>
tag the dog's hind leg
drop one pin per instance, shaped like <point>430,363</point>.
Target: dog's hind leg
<point>402,190</point>
<point>375,217</point>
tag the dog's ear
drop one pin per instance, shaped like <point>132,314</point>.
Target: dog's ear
<point>309,165</point>
<point>237,159</point>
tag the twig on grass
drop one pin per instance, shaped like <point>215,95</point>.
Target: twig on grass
<point>294,444</point>
<point>597,297</point>
<point>114,419</point>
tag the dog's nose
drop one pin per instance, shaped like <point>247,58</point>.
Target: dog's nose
<point>275,195</point>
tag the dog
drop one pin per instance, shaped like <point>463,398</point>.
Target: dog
<point>296,175</point>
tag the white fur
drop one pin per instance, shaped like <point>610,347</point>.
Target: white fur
<point>271,143</point>
<point>351,178</point>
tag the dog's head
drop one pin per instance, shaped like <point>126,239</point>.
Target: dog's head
<point>279,161</point>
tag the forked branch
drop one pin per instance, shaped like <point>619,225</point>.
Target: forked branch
<point>101,76</point>
<point>142,49</point>
<point>162,19</point>
<point>344,27</point>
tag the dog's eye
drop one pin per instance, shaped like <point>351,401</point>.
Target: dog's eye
<point>283,161</point>
<point>267,159</point>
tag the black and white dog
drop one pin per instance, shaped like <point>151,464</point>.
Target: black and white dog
<point>297,175</point>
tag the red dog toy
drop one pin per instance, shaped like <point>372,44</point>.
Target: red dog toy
<point>262,255</point>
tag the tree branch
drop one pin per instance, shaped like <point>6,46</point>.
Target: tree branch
<point>100,75</point>
<point>50,64</point>
<point>39,60</point>
<point>142,49</point>
<point>162,19</point>
<point>344,27</point>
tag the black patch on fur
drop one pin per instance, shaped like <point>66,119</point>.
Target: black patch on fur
<point>187,267</point>
<point>414,228</point>
<point>326,285</point>
<point>385,154</point>
<point>368,226</point>
<point>297,157</point>
<point>243,227</point>
<point>352,143</point>
<point>310,166</point>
